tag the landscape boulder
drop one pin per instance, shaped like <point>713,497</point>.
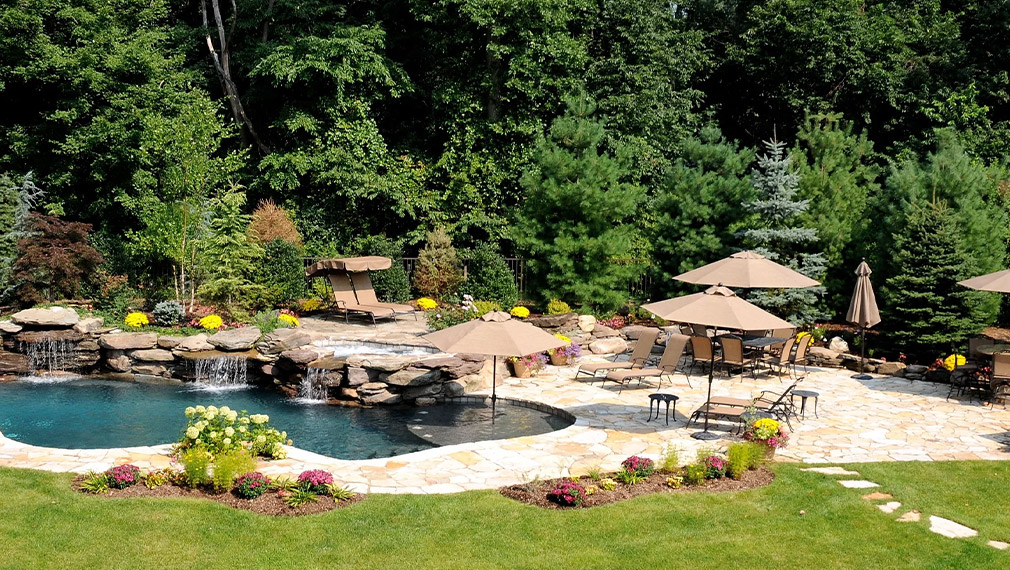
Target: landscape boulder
<point>169,342</point>
<point>891,368</point>
<point>152,355</point>
<point>53,317</point>
<point>195,343</point>
<point>587,323</point>
<point>413,377</point>
<point>32,336</point>
<point>281,340</point>
<point>564,321</point>
<point>601,331</point>
<point>117,361</point>
<point>89,325</point>
<point>13,363</point>
<point>231,340</point>
<point>612,345</point>
<point>297,358</point>
<point>128,341</point>
<point>838,344</point>
<point>9,327</point>
<point>634,331</point>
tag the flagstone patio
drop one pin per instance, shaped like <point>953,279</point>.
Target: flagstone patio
<point>884,419</point>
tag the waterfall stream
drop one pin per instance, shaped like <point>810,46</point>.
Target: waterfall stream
<point>313,386</point>
<point>51,355</point>
<point>221,371</point>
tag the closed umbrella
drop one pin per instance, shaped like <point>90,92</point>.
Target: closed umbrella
<point>863,311</point>
<point>495,334</point>
<point>749,270</point>
<point>715,307</point>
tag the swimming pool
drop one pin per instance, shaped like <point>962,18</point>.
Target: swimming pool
<point>85,413</point>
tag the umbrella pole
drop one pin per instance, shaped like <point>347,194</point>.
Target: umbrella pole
<point>494,381</point>
<point>862,356</point>
<point>706,435</point>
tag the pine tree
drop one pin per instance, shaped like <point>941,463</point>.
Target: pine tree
<point>575,226</point>
<point>438,272</point>
<point>779,236</point>
<point>489,277</point>
<point>926,310</point>
<point>230,256</point>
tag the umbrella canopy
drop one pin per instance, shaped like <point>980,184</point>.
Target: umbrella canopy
<point>494,334</point>
<point>863,307</point>
<point>348,264</point>
<point>999,282</point>
<point>749,270</point>
<point>716,307</point>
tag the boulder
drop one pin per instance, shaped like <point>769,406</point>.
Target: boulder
<point>421,391</point>
<point>150,369</point>
<point>823,353</point>
<point>329,363</point>
<point>349,393</point>
<point>42,336</point>
<point>634,331</point>
<point>282,340</point>
<point>170,342</point>
<point>268,369</point>
<point>444,362</point>
<point>372,387</point>
<point>128,341</point>
<point>465,368</point>
<point>9,327</point>
<point>88,345</point>
<point>117,361</point>
<point>14,363</point>
<point>890,368</point>
<point>587,323</point>
<point>562,321</point>
<point>424,402</point>
<point>195,343</point>
<point>611,345</point>
<point>384,397</point>
<point>152,355</point>
<point>916,369</point>
<point>89,325</point>
<point>385,363</point>
<point>413,377</point>
<point>242,338</point>
<point>357,376</point>
<point>601,331</point>
<point>838,344</point>
<point>298,358</point>
<point>453,389</point>
<point>53,317</point>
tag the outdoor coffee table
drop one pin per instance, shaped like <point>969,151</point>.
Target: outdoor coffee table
<point>804,394</point>
<point>667,398</point>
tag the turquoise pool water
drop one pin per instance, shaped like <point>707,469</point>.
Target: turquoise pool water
<point>89,413</point>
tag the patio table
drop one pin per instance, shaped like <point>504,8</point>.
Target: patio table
<point>993,349</point>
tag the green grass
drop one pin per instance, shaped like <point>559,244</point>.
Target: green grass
<point>43,524</point>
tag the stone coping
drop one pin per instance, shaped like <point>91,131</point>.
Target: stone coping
<point>883,419</point>
<point>366,344</point>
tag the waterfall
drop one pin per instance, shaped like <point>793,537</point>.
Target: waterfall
<point>221,371</point>
<point>313,386</point>
<point>50,354</point>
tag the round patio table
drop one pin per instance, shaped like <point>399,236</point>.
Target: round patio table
<point>993,349</point>
<point>667,398</point>
<point>803,404</point>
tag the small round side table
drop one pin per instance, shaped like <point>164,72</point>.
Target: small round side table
<point>666,398</point>
<point>804,394</point>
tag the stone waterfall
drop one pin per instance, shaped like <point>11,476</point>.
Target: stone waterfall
<point>313,385</point>
<point>223,371</point>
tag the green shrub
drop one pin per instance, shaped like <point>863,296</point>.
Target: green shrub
<point>228,466</point>
<point>281,273</point>
<point>195,466</point>
<point>482,308</point>
<point>446,316</point>
<point>755,454</point>
<point>340,493</point>
<point>168,313</point>
<point>558,307</point>
<point>438,272</point>
<point>489,277</point>
<point>300,497</point>
<point>670,460</point>
<point>629,477</point>
<point>595,473</point>
<point>391,285</point>
<point>737,460</point>
<point>95,483</point>
<point>695,474</point>
<point>218,430</point>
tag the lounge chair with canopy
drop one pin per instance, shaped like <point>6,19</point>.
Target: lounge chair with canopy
<point>347,304</point>
<point>339,272</point>
<point>366,295</point>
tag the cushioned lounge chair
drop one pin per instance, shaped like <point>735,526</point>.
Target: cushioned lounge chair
<point>366,295</point>
<point>347,303</point>
<point>641,352</point>
<point>668,364</point>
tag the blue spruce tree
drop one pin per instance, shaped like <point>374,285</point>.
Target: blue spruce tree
<point>778,235</point>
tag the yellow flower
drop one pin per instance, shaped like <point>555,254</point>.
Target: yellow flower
<point>287,319</point>
<point>192,433</point>
<point>211,322</point>
<point>520,312</point>
<point>311,305</point>
<point>136,320</point>
<point>427,304</point>
<point>953,361</point>
<point>563,338</point>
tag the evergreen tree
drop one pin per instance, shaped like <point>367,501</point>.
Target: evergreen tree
<point>698,208</point>
<point>230,256</point>
<point>778,235</point>
<point>575,225</point>
<point>439,272</point>
<point>489,277</point>
<point>16,203</point>
<point>925,309</point>
<point>836,173</point>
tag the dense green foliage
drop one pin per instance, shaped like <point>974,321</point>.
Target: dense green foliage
<point>363,119</point>
<point>489,277</point>
<point>281,273</point>
<point>439,271</point>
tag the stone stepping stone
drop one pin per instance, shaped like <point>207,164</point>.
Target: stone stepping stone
<point>889,507</point>
<point>857,484</point>
<point>949,528</point>
<point>877,496</point>
<point>831,471</point>
<point>998,544</point>
<point>910,516</point>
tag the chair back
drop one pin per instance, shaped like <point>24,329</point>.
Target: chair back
<point>702,347</point>
<point>787,349</point>
<point>801,349</point>
<point>975,343</point>
<point>643,347</point>
<point>700,330</point>
<point>363,288</point>
<point>732,349</point>
<point>781,400</point>
<point>675,346</point>
<point>1001,365</point>
<point>756,333</point>
<point>686,329</point>
<point>783,333</point>
<point>343,294</point>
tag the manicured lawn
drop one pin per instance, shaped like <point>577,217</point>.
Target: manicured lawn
<point>43,524</point>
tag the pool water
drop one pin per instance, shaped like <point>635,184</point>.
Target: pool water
<point>87,413</point>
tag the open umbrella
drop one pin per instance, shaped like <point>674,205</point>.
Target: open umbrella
<point>749,270</point>
<point>863,311</point>
<point>495,334</point>
<point>998,281</point>
<point>716,307</point>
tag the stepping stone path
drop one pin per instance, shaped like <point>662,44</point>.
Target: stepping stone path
<point>939,525</point>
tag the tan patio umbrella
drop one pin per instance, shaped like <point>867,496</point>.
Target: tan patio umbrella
<point>495,334</point>
<point>715,307</point>
<point>749,270</point>
<point>863,311</point>
<point>998,282</point>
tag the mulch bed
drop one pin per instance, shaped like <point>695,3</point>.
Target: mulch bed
<point>535,493</point>
<point>269,503</point>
